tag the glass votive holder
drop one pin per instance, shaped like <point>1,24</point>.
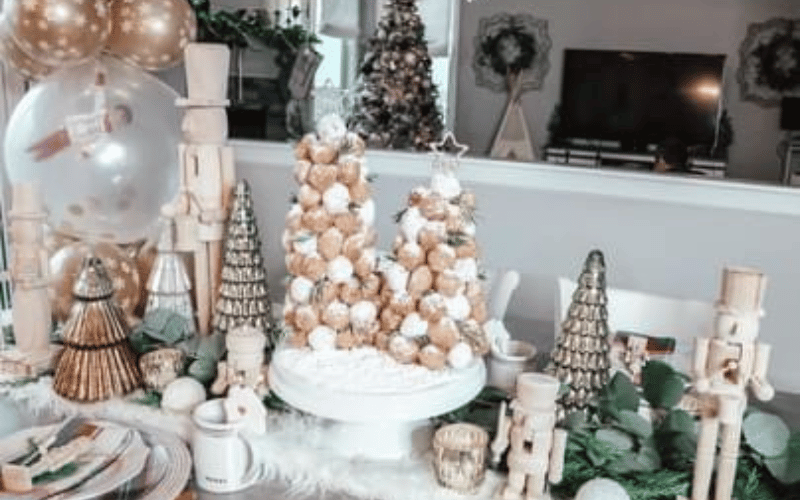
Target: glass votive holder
<point>460,456</point>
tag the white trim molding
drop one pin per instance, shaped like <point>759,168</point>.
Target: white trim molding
<point>628,184</point>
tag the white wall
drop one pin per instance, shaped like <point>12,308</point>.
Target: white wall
<point>662,234</point>
<point>706,26</point>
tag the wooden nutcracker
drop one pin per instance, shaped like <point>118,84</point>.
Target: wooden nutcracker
<point>245,363</point>
<point>207,172</point>
<point>723,367</point>
<point>537,447</point>
<point>31,311</point>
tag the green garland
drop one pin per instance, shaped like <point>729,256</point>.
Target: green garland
<point>240,28</point>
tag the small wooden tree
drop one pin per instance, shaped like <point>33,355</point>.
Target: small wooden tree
<point>581,355</point>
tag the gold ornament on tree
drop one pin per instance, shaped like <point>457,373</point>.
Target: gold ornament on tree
<point>151,34</point>
<point>58,32</point>
<point>98,361</point>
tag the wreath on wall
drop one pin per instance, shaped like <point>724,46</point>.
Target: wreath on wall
<point>509,46</point>
<point>770,61</point>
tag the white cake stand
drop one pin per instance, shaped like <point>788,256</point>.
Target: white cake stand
<point>372,406</point>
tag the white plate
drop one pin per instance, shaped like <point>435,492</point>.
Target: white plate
<point>168,466</point>
<point>129,463</point>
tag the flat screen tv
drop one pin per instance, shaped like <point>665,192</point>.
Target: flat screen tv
<point>635,100</point>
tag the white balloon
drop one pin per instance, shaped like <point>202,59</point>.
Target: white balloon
<point>101,139</point>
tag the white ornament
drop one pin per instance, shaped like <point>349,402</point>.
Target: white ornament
<point>340,269</point>
<point>363,314</point>
<point>460,356</point>
<point>332,130</point>
<point>305,244</point>
<point>366,213</point>
<point>413,326</point>
<point>602,488</point>
<point>412,223</point>
<point>182,395</point>
<point>445,185</point>
<point>336,199</point>
<point>457,307</point>
<point>294,211</point>
<point>469,229</point>
<point>396,277</point>
<point>322,338</point>
<point>466,269</point>
<point>300,289</point>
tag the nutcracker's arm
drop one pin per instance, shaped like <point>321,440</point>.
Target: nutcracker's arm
<point>699,363</point>
<point>762,389</point>
<point>500,443</point>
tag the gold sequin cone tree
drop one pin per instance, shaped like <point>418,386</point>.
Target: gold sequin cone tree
<point>580,358</point>
<point>97,362</point>
<point>433,302</point>
<point>332,293</point>
<point>244,294</point>
<point>395,105</point>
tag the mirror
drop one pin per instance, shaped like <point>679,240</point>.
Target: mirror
<point>475,112</point>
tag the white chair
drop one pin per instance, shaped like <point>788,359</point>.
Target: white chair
<point>648,314</point>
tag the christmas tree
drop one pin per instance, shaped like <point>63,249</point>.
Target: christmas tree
<point>169,286</point>
<point>395,106</point>
<point>98,361</point>
<point>580,358</point>
<point>244,295</point>
<point>332,297</point>
<point>433,300</point>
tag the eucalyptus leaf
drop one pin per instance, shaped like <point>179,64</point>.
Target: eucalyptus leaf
<point>786,466</point>
<point>211,347</point>
<point>622,392</point>
<point>649,459</point>
<point>662,386</point>
<point>625,463</point>
<point>203,369</point>
<point>765,433</point>
<point>635,424</point>
<point>678,421</point>
<point>575,420</point>
<point>616,438</point>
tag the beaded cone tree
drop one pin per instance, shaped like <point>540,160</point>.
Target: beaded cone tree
<point>395,105</point>
<point>580,358</point>
<point>244,294</point>
<point>433,303</point>
<point>98,361</point>
<point>332,294</point>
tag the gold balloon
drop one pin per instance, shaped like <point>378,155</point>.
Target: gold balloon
<point>59,32</point>
<point>151,34</point>
<point>66,263</point>
<point>18,59</point>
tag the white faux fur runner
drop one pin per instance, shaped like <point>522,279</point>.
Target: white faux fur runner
<point>293,450</point>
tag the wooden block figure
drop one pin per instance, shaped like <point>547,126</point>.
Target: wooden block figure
<point>536,446</point>
<point>723,367</point>
<point>245,363</point>
<point>31,311</point>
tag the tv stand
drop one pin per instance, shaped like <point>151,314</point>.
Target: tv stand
<point>597,157</point>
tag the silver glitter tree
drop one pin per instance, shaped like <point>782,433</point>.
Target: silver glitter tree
<point>580,359</point>
<point>169,286</point>
<point>244,295</point>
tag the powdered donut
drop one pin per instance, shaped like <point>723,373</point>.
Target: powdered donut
<point>350,291</point>
<point>349,172</point>
<point>322,176</point>
<point>442,257</point>
<point>420,281</point>
<point>336,315</point>
<point>346,339</point>
<point>294,263</point>
<point>330,243</point>
<point>301,169</point>
<point>402,304</point>
<point>308,197</point>
<point>410,255</point>
<point>323,153</point>
<point>448,284</point>
<point>403,349</point>
<point>314,267</point>
<point>444,333</point>
<point>390,320</point>
<point>348,223</point>
<point>432,357</point>
<point>316,220</point>
<point>353,246</point>
<point>431,307</point>
<point>305,318</point>
<point>336,199</point>
<point>360,191</point>
<point>303,149</point>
